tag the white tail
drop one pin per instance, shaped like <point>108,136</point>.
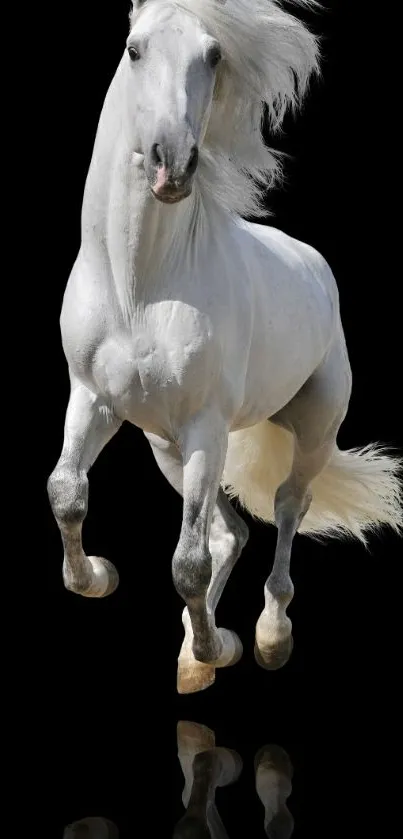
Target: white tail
<point>358,491</point>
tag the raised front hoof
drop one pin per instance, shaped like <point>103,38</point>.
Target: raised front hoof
<point>232,648</point>
<point>106,577</point>
<point>276,656</point>
<point>102,578</point>
<point>194,676</point>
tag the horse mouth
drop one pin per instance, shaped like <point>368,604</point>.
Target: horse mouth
<point>171,196</point>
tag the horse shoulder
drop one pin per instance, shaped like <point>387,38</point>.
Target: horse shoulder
<point>87,308</point>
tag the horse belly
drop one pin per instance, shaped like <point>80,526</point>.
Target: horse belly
<point>279,364</point>
<point>268,390</point>
<point>294,315</point>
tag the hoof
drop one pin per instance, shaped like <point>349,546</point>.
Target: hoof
<point>274,657</point>
<point>99,578</point>
<point>194,676</point>
<point>232,649</point>
<point>106,578</point>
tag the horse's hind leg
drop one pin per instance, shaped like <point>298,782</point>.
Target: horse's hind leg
<point>88,427</point>
<point>228,536</point>
<point>314,417</point>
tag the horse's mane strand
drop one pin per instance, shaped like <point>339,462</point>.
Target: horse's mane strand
<point>269,58</point>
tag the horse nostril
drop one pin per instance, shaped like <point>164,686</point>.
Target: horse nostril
<point>157,157</point>
<point>193,160</point>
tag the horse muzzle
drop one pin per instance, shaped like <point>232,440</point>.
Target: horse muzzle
<point>170,172</point>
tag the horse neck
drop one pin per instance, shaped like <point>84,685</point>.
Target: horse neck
<point>144,242</point>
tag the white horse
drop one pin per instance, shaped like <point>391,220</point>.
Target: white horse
<point>219,338</point>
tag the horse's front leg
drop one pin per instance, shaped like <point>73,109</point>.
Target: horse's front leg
<point>203,445</point>
<point>88,427</point>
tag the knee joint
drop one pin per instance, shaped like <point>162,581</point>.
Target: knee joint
<point>191,573</point>
<point>68,495</point>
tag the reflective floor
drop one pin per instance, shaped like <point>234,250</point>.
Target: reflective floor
<point>132,780</point>
<point>209,809</point>
<point>109,749</point>
<point>310,750</point>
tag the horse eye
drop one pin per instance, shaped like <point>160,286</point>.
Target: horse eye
<point>134,54</point>
<point>214,56</point>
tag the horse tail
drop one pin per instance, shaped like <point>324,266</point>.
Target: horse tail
<point>358,491</point>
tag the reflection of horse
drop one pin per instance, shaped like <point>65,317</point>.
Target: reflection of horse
<point>221,339</point>
<point>91,828</point>
<point>206,767</point>
<point>274,772</point>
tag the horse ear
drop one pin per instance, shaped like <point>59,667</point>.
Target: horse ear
<point>136,5</point>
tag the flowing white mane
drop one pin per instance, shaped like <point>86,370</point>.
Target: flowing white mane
<point>269,57</point>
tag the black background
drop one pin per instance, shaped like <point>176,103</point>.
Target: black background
<point>100,676</point>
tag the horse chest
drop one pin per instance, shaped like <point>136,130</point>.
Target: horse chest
<point>152,376</point>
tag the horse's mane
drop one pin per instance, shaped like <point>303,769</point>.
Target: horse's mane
<point>269,57</point>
